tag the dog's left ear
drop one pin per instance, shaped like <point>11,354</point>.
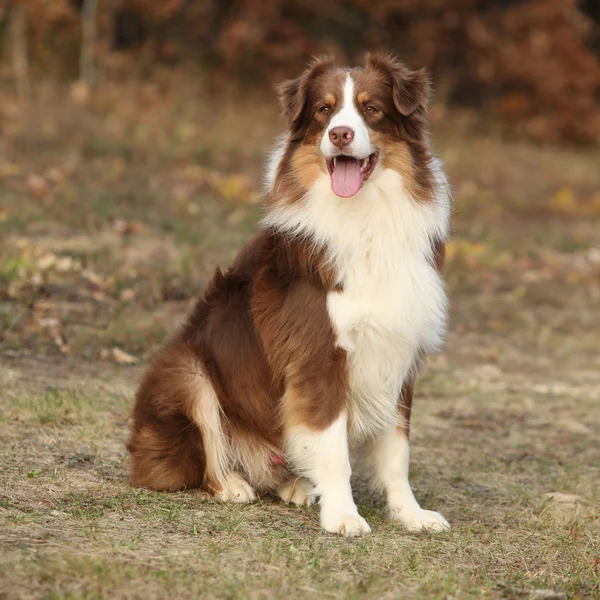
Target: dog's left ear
<point>294,96</point>
<point>410,89</point>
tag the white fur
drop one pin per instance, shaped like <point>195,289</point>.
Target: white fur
<point>390,459</point>
<point>223,455</point>
<point>322,456</point>
<point>207,416</point>
<point>393,303</point>
<point>442,192</point>
<point>297,490</point>
<point>252,456</point>
<point>273,162</point>
<point>360,147</point>
<point>235,489</point>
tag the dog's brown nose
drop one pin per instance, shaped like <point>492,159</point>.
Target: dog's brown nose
<point>341,136</point>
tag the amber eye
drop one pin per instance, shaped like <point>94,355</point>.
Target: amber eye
<point>324,109</point>
<point>370,109</point>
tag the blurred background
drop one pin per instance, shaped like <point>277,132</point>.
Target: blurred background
<point>531,64</point>
<point>133,135</point>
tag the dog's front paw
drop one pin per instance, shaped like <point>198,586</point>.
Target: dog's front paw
<point>348,525</point>
<point>298,491</point>
<point>421,520</point>
<point>235,489</point>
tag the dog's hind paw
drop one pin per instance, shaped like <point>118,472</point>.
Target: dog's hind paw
<point>298,491</point>
<point>235,489</point>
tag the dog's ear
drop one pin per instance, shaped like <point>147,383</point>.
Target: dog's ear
<point>411,92</point>
<point>294,96</point>
<point>410,89</point>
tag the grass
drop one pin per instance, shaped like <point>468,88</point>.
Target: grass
<point>54,407</point>
<point>108,250</point>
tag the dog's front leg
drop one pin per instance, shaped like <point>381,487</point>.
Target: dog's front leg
<point>390,457</point>
<point>321,454</point>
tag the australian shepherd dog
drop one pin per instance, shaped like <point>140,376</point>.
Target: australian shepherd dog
<point>302,356</point>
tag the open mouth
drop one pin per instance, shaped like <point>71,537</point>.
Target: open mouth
<point>348,174</point>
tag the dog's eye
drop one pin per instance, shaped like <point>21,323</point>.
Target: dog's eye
<point>370,109</point>
<point>324,109</point>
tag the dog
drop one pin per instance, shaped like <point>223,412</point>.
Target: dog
<point>302,356</point>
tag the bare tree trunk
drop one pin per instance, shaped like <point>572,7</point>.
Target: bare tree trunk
<point>87,58</point>
<point>20,59</point>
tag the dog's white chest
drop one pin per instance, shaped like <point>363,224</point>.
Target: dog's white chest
<point>383,318</point>
<point>393,303</point>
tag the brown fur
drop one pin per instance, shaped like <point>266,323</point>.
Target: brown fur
<point>261,325</point>
<point>258,353</point>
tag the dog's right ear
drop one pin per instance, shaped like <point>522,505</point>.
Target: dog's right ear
<point>294,96</point>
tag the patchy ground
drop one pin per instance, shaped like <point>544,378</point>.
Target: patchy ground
<point>112,217</point>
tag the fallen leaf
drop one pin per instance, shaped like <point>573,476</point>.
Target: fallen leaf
<point>236,187</point>
<point>9,170</point>
<point>539,594</point>
<point>80,92</point>
<point>58,174</point>
<point>38,186</point>
<point>563,200</point>
<point>127,295</point>
<point>562,498</point>
<point>122,357</point>
<point>93,278</point>
<point>564,506</point>
<point>60,340</point>
<point>193,208</point>
<point>123,227</point>
<point>49,322</point>
<point>46,261</point>
<point>64,264</point>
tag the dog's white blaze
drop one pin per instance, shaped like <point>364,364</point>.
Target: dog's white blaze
<point>322,456</point>
<point>390,458</point>
<point>348,116</point>
<point>393,302</point>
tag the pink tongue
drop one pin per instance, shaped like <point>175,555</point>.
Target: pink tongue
<point>346,179</point>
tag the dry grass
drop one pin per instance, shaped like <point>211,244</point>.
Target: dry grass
<point>109,225</point>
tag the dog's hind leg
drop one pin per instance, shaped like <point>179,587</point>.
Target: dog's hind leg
<point>178,439</point>
<point>206,414</point>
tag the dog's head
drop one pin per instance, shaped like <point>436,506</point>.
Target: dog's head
<point>349,122</point>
